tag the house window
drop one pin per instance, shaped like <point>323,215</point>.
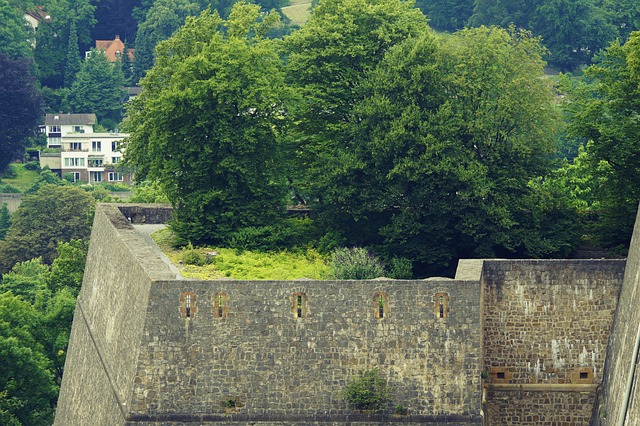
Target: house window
<point>96,177</point>
<point>441,305</point>
<point>187,306</point>
<point>75,146</point>
<point>54,129</point>
<point>96,146</point>
<point>220,305</point>
<point>114,176</point>
<point>299,305</point>
<point>78,129</point>
<point>55,141</point>
<point>76,176</point>
<point>380,305</point>
<point>74,162</point>
<point>114,146</point>
<point>114,160</point>
<point>95,162</point>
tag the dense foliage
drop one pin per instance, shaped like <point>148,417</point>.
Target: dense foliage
<point>46,218</point>
<point>219,95</point>
<point>36,311</point>
<point>20,107</point>
<point>607,173</point>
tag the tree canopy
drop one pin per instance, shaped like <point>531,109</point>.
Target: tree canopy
<point>204,124</point>
<point>605,111</point>
<point>51,215</point>
<point>98,88</point>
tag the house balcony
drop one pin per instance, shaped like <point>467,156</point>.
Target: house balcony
<point>74,150</point>
<point>54,135</point>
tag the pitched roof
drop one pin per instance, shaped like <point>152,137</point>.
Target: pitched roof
<point>113,49</point>
<point>73,119</point>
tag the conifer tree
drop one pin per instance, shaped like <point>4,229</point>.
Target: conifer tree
<point>73,56</point>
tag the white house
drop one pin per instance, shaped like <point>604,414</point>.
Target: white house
<point>85,155</point>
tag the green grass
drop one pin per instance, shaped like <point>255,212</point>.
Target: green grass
<point>24,180</point>
<point>298,12</point>
<point>246,265</point>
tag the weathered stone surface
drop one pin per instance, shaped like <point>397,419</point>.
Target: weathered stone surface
<point>619,400</point>
<point>149,349</point>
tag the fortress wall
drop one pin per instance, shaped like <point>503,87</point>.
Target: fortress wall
<point>546,327</point>
<point>280,368</point>
<point>108,323</point>
<point>612,408</point>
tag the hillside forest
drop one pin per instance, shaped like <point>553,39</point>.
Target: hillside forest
<point>413,133</point>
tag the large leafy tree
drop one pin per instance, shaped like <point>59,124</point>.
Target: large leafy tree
<point>98,88</point>
<point>205,125</point>
<point>438,162</point>
<point>52,215</point>
<point>15,33</point>
<point>606,113</point>
<point>327,60</point>
<point>20,107</point>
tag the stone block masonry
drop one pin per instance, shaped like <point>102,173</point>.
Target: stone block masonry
<point>546,327</point>
<point>508,342</point>
<point>272,360</point>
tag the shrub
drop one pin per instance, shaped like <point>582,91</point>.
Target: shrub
<point>191,256</point>
<point>401,268</point>
<point>368,391</point>
<point>33,166</point>
<point>8,189</point>
<point>10,172</point>
<point>355,264</point>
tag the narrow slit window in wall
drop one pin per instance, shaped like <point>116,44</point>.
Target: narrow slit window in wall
<point>220,305</point>
<point>381,305</point>
<point>441,305</point>
<point>188,307</point>
<point>299,306</point>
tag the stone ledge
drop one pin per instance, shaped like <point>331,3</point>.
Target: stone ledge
<point>543,387</point>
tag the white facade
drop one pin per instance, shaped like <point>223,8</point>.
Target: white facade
<point>88,156</point>
<point>91,157</point>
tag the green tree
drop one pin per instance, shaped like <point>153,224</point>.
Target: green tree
<point>52,215</point>
<point>67,270</point>
<point>438,162</point>
<point>20,107</point>
<point>73,57</point>
<point>27,384</point>
<point>161,21</point>
<point>27,280</point>
<point>605,112</point>
<point>5,221</point>
<point>98,88</point>
<point>205,125</point>
<point>15,33</point>
<point>327,60</point>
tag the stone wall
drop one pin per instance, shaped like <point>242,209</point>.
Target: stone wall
<point>619,399</point>
<point>546,327</point>
<point>108,323</point>
<point>273,364</point>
